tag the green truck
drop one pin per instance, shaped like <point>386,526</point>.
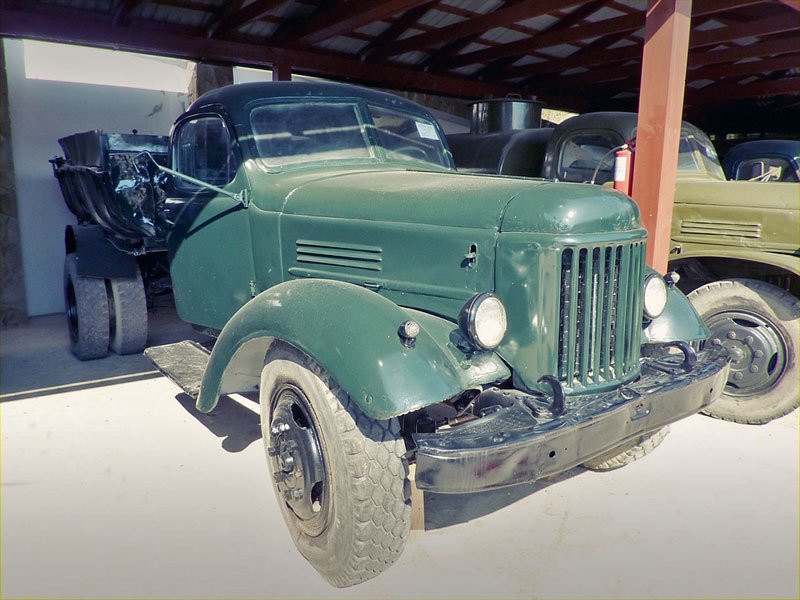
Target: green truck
<point>391,312</point>
<point>735,244</point>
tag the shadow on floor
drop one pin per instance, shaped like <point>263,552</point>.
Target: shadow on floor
<point>238,425</point>
<point>446,510</point>
<point>35,359</point>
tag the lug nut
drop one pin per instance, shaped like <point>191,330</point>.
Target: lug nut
<point>749,339</point>
<point>758,353</point>
<point>716,342</point>
<point>297,494</point>
<point>731,335</point>
<point>737,376</point>
<point>754,368</point>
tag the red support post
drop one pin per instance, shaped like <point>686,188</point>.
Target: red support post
<point>666,48</point>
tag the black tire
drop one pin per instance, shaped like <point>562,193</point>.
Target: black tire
<point>128,317</point>
<point>353,518</point>
<point>628,452</point>
<point>759,324</point>
<point>87,312</point>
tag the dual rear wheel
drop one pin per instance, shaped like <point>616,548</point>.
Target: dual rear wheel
<point>104,314</point>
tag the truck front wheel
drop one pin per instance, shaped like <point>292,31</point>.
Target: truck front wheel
<point>339,476</point>
<point>87,312</point>
<point>758,324</point>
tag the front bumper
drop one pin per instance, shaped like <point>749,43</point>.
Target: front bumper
<point>521,442</point>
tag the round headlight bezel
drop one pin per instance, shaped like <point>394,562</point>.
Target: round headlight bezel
<point>468,320</point>
<point>653,312</point>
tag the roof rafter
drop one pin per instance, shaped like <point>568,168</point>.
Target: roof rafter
<point>346,16</point>
<point>623,24</point>
<point>480,24</point>
<point>763,88</point>
<point>629,76</point>
<point>573,18</point>
<point>94,30</point>
<point>238,18</point>
<point>396,29</point>
<point>762,28</point>
<point>122,10</point>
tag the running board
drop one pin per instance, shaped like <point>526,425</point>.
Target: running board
<point>183,362</point>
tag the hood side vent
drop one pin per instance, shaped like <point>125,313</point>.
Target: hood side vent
<point>731,228</point>
<point>337,254</point>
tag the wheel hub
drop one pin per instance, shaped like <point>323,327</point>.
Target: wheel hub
<point>296,458</point>
<point>757,350</point>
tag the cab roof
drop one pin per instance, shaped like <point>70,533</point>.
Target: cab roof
<point>236,97</point>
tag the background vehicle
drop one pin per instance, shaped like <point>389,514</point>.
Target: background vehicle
<point>736,245</point>
<point>116,254</point>
<point>764,160</point>
<point>392,312</point>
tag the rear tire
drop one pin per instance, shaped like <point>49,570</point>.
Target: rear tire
<point>758,323</point>
<point>339,476</point>
<point>128,305</point>
<point>87,312</point>
<point>628,452</point>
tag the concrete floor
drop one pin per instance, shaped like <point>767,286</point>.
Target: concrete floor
<point>114,486</point>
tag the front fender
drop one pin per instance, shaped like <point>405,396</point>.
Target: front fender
<point>352,333</point>
<point>678,322</point>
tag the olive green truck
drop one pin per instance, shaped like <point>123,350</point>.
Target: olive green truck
<point>735,244</point>
<point>389,311</point>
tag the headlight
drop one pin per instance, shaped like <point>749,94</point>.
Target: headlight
<point>655,296</point>
<point>483,320</point>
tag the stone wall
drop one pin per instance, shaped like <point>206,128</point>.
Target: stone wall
<point>12,284</point>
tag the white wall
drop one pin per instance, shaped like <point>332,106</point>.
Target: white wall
<point>41,112</point>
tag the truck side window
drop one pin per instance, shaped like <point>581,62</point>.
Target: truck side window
<point>203,150</point>
<point>581,155</point>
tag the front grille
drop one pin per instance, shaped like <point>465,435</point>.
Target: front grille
<point>600,317</point>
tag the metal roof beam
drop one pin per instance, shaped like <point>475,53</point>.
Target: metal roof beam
<point>479,24</point>
<point>238,18</point>
<point>92,30</point>
<point>123,10</point>
<point>576,16</point>
<point>760,28</point>
<point>723,92</point>
<point>615,25</point>
<point>396,29</point>
<point>346,16</point>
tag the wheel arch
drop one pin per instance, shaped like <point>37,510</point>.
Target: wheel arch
<point>352,334</point>
<point>780,270</point>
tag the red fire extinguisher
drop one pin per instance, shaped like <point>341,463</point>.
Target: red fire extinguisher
<point>623,168</point>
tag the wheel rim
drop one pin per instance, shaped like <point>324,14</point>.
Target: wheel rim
<point>757,348</point>
<point>296,459</point>
<point>72,312</point>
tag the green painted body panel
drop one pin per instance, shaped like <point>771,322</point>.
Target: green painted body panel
<point>352,333</point>
<point>737,219</point>
<point>678,322</point>
<point>210,250</point>
<point>336,256</point>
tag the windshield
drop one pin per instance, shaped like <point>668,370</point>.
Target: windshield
<point>304,132</point>
<point>308,132</point>
<point>694,148</point>
<point>408,137</point>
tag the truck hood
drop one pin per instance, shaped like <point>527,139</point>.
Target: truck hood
<point>507,204</point>
<point>753,194</point>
